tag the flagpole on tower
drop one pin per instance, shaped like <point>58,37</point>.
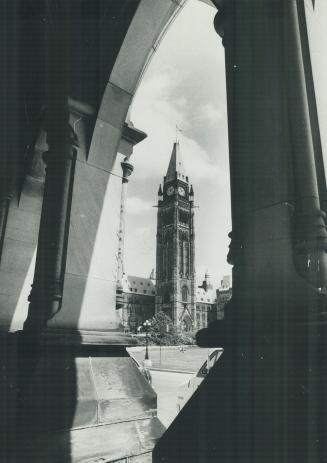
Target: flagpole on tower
<point>178,130</point>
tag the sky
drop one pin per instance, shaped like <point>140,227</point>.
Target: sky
<point>184,85</point>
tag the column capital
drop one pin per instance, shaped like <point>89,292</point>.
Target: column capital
<point>129,138</point>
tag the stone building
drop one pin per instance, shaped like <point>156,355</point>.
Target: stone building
<point>175,283</point>
<point>224,294</point>
<point>138,297</point>
<point>138,301</point>
<point>206,304</point>
<point>173,290</point>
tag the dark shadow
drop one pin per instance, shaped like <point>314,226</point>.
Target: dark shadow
<point>46,388</point>
<point>96,32</point>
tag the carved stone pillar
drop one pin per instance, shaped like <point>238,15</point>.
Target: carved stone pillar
<point>279,231</point>
<point>264,399</point>
<point>46,294</point>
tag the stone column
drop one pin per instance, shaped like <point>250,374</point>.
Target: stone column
<point>46,294</point>
<point>309,222</point>
<point>265,398</point>
<point>47,289</point>
<point>279,232</point>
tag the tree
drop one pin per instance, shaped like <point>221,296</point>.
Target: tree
<point>163,332</point>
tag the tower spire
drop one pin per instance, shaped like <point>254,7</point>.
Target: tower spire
<point>176,166</point>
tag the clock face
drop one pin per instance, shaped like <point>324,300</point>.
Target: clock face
<point>170,191</point>
<point>181,191</point>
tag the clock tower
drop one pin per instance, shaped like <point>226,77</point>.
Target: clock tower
<point>175,276</point>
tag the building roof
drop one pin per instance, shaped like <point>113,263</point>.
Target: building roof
<point>138,285</point>
<point>206,297</point>
<point>176,165</point>
<point>147,287</point>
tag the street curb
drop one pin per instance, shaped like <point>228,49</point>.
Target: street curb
<point>167,370</point>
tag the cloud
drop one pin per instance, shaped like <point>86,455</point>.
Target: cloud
<point>158,114</point>
<point>135,205</point>
<point>184,85</point>
<point>210,113</point>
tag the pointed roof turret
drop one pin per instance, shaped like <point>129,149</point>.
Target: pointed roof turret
<point>176,167</point>
<point>160,193</point>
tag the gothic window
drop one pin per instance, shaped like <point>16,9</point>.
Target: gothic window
<point>185,257</point>
<point>184,293</point>
<point>166,297</point>
<point>181,257</point>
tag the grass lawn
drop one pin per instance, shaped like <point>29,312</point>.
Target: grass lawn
<point>172,358</point>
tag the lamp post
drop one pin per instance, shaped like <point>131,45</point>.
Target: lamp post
<point>163,330</point>
<point>146,327</point>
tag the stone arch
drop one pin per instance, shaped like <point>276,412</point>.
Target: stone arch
<point>132,60</point>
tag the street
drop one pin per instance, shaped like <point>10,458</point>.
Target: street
<point>166,385</point>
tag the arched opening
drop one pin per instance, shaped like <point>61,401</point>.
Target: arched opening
<point>179,100</point>
<point>279,218</point>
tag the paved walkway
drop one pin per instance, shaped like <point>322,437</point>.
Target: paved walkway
<point>188,359</point>
<point>166,384</point>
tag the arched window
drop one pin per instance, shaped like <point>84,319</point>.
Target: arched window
<point>185,257</point>
<point>181,260</point>
<point>184,293</point>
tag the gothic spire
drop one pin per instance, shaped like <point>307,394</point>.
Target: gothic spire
<point>176,167</point>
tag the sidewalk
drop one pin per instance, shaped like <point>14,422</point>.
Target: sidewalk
<point>172,359</point>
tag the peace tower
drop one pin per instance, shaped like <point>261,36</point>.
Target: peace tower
<point>175,269</point>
